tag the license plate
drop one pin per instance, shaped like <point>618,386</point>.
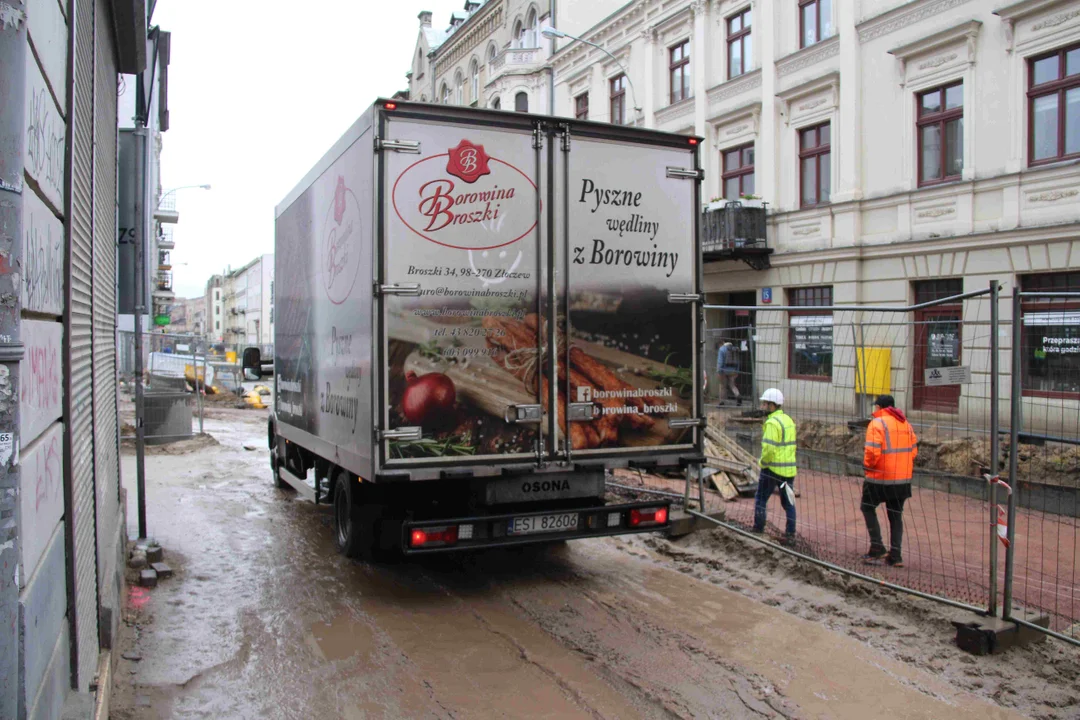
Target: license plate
<point>542,524</point>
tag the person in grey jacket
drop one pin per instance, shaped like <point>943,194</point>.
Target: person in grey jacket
<point>727,368</point>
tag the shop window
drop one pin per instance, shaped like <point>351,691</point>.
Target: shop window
<point>810,341</point>
<point>1050,336</point>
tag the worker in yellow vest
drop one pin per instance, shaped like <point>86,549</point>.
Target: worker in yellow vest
<point>777,462</point>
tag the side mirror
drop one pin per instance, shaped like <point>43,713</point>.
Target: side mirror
<point>252,363</point>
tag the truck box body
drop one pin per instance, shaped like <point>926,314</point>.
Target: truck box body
<point>470,293</point>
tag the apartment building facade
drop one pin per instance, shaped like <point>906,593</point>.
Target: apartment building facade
<point>493,54</point>
<point>213,302</point>
<point>906,150</point>
<point>247,295</point>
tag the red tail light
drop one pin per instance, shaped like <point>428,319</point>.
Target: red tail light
<point>390,106</point>
<point>648,516</point>
<point>427,537</point>
<point>693,141</point>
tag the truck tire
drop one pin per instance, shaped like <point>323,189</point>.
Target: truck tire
<point>275,458</point>
<point>352,535</point>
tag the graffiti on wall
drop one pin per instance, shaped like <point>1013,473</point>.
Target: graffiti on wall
<point>40,377</point>
<point>41,502</point>
<point>45,136</point>
<point>43,258</point>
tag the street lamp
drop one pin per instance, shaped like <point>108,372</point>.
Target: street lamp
<point>182,187</point>
<point>553,34</point>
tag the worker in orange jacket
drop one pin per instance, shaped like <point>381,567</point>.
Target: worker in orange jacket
<point>888,460</point>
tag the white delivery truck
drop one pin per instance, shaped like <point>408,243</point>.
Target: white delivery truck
<point>479,313</point>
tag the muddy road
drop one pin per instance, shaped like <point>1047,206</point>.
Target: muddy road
<point>262,619</point>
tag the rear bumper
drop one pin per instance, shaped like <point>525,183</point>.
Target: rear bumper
<point>492,530</point>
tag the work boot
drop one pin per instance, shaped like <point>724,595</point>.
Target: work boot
<point>893,561</point>
<point>875,555</point>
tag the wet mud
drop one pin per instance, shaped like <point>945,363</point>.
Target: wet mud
<point>262,619</point>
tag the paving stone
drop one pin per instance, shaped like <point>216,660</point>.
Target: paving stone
<point>148,578</point>
<point>162,570</point>
<point>134,657</point>
<point>155,554</point>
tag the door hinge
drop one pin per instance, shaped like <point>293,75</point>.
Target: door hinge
<point>679,423</point>
<point>403,146</point>
<point>407,434</point>
<point>685,173</point>
<point>685,297</point>
<point>410,289</point>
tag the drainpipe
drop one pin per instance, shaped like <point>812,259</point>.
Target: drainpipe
<point>551,68</point>
<point>13,48</point>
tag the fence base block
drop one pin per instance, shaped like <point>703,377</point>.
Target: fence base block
<point>980,635</point>
<point>682,524</point>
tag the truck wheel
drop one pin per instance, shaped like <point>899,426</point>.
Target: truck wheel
<point>275,459</point>
<point>352,536</point>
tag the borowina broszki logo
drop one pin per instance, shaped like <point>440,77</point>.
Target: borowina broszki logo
<point>466,199</point>
<point>342,243</point>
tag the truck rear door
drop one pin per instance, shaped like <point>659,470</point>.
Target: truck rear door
<point>461,272</point>
<point>627,334</point>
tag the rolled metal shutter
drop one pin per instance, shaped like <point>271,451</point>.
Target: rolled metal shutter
<point>106,438</point>
<point>80,353</point>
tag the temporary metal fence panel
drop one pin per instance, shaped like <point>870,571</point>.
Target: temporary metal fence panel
<point>178,377</point>
<point>1043,563</point>
<point>830,362</point>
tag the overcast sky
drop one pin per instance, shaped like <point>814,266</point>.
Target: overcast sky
<point>258,91</point>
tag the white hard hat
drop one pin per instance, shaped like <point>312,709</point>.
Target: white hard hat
<point>774,396</point>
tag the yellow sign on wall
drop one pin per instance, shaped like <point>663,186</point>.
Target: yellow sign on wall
<point>874,371</point>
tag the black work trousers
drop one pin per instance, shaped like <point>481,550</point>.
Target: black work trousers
<point>894,495</point>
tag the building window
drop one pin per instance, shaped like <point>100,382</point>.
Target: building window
<point>581,106</point>
<point>518,35</point>
<point>474,81</point>
<point>941,134</point>
<point>492,53</point>
<point>532,31</point>
<point>217,309</point>
<point>618,99</point>
<point>1050,336</point>
<point>521,102</point>
<point>445,94</point>
<point>810,341</point>
<point>459,85</point>
<point>496,104</point>
<point>738,171</point>
<point>679,69</point>
<point>815,21</point>
<point>217,325</point>
<point>740,54</point>
<point>815,167</point>
<point>1054,106</point>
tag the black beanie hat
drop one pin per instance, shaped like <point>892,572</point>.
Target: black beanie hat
<point>885,401</point>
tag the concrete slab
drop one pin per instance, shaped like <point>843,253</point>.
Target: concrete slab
<point>148,578</point>
<point>52,695</point>
<point>980,635</point>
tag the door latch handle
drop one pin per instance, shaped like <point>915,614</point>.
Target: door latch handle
<point>523,414</point>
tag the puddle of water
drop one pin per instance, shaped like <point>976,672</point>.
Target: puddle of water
<point>341,638</point>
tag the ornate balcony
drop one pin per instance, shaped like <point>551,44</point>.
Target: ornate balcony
<point>736,231</point>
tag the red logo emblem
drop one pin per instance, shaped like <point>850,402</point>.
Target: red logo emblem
<point>468,162</point>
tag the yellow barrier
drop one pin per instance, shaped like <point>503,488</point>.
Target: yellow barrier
<point>874,372</point>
